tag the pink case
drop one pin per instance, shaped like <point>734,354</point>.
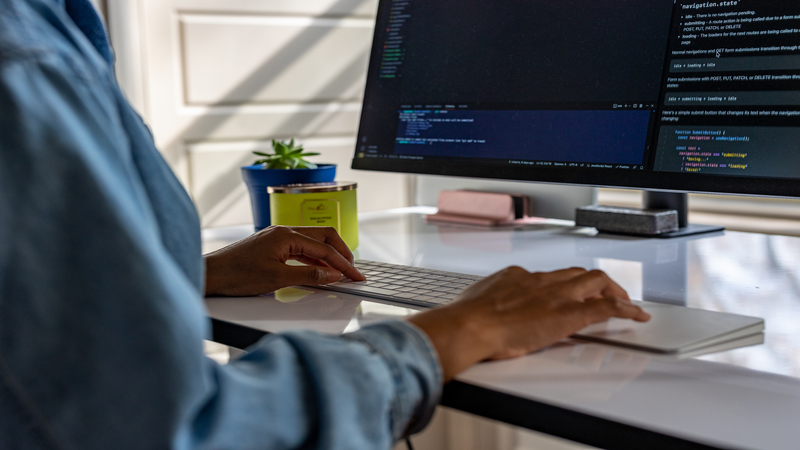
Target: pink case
<point>477,208</point>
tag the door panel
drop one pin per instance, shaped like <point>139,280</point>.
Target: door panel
<point>298,59</point>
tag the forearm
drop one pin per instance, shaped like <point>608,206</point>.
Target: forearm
<point>460,338</point>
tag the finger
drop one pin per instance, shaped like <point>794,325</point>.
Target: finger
<point>312,262</point>
<point>308,261</point>
<point>309,275</point>
<point>302,245</point>
<point>329,236</point>
<point>599,309</point>
<point>594,284</point>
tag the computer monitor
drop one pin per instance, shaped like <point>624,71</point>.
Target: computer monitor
<point>663,95</point>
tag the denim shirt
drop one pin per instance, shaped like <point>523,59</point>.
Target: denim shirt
<point>101,284</point>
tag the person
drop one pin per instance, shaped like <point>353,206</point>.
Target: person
<point>102,280</point>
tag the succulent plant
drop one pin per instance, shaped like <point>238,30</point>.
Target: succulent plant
<point>286,156</point>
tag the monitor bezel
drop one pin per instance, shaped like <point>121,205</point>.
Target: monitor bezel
<point>624,179</point>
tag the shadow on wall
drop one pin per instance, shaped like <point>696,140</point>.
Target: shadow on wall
<point>309,120</point>
<point>224,186</point>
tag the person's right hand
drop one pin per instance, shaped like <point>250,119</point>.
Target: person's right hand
<point>515,312</point>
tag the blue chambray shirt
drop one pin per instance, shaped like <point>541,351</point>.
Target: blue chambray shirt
<point>101,282</point>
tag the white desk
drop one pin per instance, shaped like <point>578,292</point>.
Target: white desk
<point>598,395</point>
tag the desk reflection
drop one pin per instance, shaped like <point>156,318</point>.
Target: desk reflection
<point>574,371</point>
<point>288,309</point>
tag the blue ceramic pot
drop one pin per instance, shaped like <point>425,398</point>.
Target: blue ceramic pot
<point>258,179</point>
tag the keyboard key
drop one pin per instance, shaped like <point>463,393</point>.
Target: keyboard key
<point>442,294</point>
<point>420,291</point>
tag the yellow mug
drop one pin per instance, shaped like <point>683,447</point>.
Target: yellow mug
<point>330,204</point>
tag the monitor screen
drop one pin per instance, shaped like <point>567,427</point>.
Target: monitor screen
<point>660,94</point>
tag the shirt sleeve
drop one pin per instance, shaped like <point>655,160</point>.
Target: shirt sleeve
<point>101,331</point>
<point>360,391</point>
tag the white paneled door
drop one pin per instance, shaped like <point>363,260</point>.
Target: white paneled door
<point>216,79</point>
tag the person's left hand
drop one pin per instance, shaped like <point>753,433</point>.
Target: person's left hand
<point>257,264</point>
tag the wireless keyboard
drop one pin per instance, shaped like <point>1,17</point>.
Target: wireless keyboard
<point>405,284</point>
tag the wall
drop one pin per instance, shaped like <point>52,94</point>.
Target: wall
<point>217,79</point>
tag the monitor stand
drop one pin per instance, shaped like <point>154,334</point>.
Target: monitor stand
<point>679,202</point>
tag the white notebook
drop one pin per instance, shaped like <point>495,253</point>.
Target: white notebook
<point>673,329</point>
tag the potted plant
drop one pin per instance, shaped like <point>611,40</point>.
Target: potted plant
<point>287,165</point>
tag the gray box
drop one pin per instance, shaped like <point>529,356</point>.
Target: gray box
<point>640,222</point>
